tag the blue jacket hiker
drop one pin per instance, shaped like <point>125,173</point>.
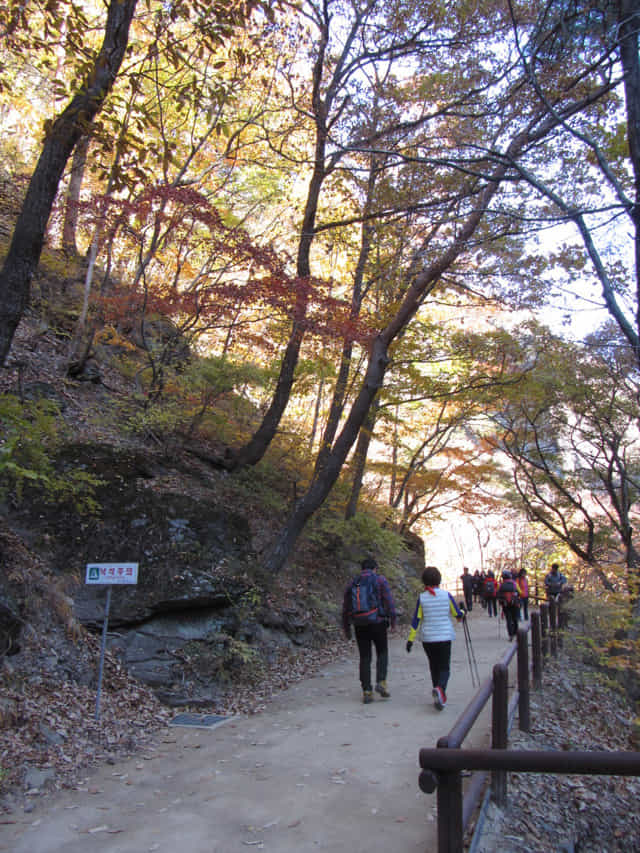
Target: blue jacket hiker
<point>555,581</point>
<point>368,605</point>
<point>432,617</point>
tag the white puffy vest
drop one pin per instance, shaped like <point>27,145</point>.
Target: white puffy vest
<point>437,625</point>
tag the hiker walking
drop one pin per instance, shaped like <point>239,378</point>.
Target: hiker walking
<point>368,605</point>
<point>432,617</point>
<point>478,580</point>
<point>558,593</point>
<point>508,596</point>
<point>555,581</point>
<point>467,588</point>
<point>522,582</point>
<point>490,590</point>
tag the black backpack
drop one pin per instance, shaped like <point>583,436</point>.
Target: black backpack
<point>365,599</point>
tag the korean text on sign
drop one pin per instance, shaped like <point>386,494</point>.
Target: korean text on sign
<point>112,573</point>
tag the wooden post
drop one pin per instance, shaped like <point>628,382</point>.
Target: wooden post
<point>536,649</point>
<point>524,720</point>
<point>544,625</point>
<point>499,729</point>
<point>553,625</point>
<point>450,828</point>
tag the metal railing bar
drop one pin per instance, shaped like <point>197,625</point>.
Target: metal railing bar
<point>482,813</point>
<point>474,793</point>
<point>565,762</point>
<point>508,656</point>
<point>511,711</point>
<point>466,720</point>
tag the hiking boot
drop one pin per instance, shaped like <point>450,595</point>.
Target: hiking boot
<point>381,688</point>
<point>367,697</point>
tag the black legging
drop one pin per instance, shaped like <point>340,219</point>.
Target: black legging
<point>439,656</point>
<point>375,633</point>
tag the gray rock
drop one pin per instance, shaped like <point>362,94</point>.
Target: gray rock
<point>35,779</point>
<point>51,737</point>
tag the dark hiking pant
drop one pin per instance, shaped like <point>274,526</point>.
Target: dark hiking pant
<point>511,615</point>
<point>439,657</point>
<point>366,637</point>
<point>492,606</point>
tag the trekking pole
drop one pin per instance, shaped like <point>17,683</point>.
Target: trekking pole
<point>466,644</point>
<point>470,653</point>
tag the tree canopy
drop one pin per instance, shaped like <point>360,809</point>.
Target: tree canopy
<point>351,211</point>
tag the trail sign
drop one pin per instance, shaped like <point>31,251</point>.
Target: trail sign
<point>112,573</point>
<point>108,574</point>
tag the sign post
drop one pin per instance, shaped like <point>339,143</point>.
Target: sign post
<point>108,574</point>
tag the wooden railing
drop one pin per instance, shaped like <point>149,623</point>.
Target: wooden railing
<point>442,767</point>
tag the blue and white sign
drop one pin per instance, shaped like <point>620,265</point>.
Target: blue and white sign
<point>112,573</point>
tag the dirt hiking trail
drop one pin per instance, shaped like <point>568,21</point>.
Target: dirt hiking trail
<point>316,770</point>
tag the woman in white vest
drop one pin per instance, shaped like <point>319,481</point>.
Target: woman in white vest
<point>433,619</point>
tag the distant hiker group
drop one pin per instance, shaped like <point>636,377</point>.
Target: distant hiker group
<point>511,592</point>
<point>368,607</point>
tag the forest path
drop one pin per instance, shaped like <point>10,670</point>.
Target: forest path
<point>316,770</point>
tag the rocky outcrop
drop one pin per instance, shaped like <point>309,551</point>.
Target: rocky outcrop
<point>195,613</point>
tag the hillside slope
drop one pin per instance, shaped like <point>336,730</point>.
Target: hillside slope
<point>157,503</point>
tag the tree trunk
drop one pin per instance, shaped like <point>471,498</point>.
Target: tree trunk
<point>28,236</point>
<point>360,460</point>
<point>340,388</point>
<point>415,295</point>
<point>70,224</point>
<point>394,460</point>
<point>258,444</point>
<point>322,485</point>
<point>629,23</point>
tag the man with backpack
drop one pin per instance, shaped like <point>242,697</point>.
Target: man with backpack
<point>489,591</point>
<point>558,592</point>
<point>555,581</point>
<point>508,596</point>
<point>368,605</point>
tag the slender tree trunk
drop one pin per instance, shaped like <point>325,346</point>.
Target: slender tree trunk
<point>629,36</point>
<point>340,388</point>
<point>321,486</point>
<point>360,460</point>
<point>394,460</point>
<point>28,236</point>
<point>258,444</point>
<point>316,415</point>
<point>70,224</point>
